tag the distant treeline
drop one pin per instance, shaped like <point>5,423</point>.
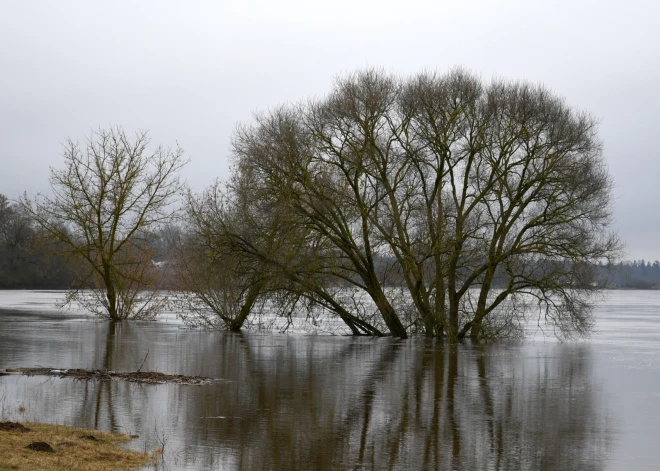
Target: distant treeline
<point>24,261</point>
<point>638,274</point>
<point>27,260</point>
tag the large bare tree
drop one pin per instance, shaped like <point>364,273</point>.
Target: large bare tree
<point>488,198</point>
<point>111,192</point>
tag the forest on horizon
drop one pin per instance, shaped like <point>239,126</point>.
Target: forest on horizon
<point>27,263</point>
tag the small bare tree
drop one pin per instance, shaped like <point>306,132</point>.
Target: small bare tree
<point>109,195</point>
<point>217,289</point>
<point>244,251</point>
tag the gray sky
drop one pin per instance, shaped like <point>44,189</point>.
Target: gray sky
<point>189,71</point>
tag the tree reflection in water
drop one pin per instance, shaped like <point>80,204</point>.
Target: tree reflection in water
<point>320,402</point>
<point>392,405</point>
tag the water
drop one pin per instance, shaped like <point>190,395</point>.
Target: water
<point>333,402</point>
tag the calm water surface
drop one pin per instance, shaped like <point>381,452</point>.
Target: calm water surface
<point>323,402</point>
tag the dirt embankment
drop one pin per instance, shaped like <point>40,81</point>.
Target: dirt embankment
<point>13,427</point>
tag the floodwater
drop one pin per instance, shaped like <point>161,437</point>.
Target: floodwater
<point>333,402</point>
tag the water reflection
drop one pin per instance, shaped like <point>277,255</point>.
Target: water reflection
<point>306,402</point>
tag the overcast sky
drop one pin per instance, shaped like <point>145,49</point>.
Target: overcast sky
<point>188,71</point>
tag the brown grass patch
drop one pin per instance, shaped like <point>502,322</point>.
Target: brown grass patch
<point>73,450</point>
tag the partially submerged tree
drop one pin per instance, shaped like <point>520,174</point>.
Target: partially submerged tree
<point>485,196</point>
<point>218,289</point>
<point>242,253</point>
<point>110,194</point>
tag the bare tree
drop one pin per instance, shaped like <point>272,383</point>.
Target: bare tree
<point>217,288</point>
<point>109,195</point>
<point>486,196</point>
<point>243,252</point>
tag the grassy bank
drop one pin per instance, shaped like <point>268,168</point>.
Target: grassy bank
<point>72,449</point>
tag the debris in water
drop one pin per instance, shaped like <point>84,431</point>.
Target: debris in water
<point>147,377</point>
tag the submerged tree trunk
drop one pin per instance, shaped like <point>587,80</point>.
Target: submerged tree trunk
<point>452,326</point>
<point>480,314</point>
<point>454,298</point>
<point>390,317</point>
<point>353,323</point>
<point>246,307</point>
<point>111,294</point>
<point>440,316</point>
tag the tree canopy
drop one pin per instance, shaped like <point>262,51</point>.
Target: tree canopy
<point>451,204</point>
<point>109,195</point>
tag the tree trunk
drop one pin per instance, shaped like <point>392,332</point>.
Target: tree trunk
<point>423,307</point>
<point>475,329</point>
<point>350,320</point>
<point>452,327</point>
<point>439,302</point>
<point>246,308</point>
<point>110,291</point>
<point>429,324</point>
<point>389,314</point>
<point>111,294</point>
<point>452,331</point>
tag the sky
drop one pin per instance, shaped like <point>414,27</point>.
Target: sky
<point>190,71</point>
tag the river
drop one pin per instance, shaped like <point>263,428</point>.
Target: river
<point>302,401</point>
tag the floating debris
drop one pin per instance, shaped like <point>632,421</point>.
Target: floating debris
<point>146,377</point>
